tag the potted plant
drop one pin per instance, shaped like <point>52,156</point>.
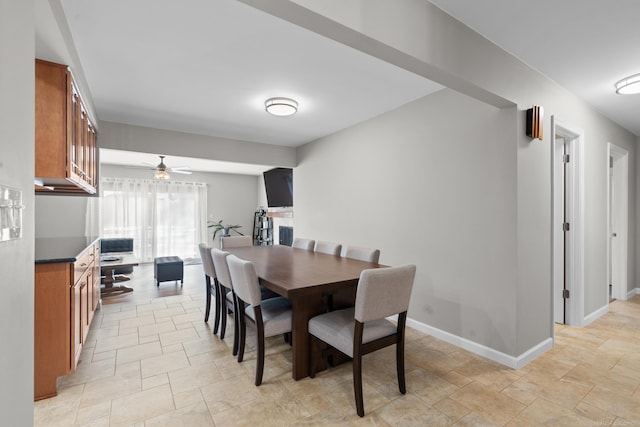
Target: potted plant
<point>225,228</point>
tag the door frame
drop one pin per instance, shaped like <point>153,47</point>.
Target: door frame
<point>621,182</point>
<point>574,137</point>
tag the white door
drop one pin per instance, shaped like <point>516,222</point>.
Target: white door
<point>567,223</point>
<point>618,222</point>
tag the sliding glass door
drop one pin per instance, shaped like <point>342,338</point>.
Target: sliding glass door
<point>163,218</point>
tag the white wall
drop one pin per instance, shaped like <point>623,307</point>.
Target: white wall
<point>431,183</point>
<point>61,216</point>
<point>17,170</point>
<point>232,198</point>
<point>120,136</point>
<point>419,37</point>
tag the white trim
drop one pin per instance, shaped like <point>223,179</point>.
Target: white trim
<point>596,315</point>
<point>482,350</point>
<point>633,292</point>
<point>575,264</point>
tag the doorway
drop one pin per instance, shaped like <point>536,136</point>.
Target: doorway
<point>567,223</point>
<point>617,221</point>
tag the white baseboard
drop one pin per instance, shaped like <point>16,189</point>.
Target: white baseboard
<point>482,350</point>
<point>633,292</point>
<point>595,315</point>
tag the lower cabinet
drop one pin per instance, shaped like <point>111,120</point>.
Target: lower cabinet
<point>66,296</point>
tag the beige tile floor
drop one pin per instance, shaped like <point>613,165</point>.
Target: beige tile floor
<point>150,360</point>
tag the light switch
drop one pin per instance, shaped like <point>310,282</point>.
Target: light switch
<point>10,213</point>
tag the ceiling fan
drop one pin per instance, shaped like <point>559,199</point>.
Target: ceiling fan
<point>162,171</point>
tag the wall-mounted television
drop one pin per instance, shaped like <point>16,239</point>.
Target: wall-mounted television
<point>278,183</point>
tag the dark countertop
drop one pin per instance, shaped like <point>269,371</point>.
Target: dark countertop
<point>61,249</point>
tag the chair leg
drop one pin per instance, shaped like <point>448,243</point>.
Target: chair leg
<point>357,384</point>
<point>402,318</point>
<point>207,309</point>
<point>260,345</point>
<point>223,313</point>
<point>314,350</point>
<point>260,359</point>
<point>218,310</point>
<point>357,367</point>
<point>238,321</point>
<point>400,367</point>
<point>242,330</point>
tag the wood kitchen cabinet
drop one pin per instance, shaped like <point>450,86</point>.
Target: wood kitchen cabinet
<point>65,148</point>
<point>66,297</point>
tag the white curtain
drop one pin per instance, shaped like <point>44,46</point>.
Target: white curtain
<point>163,218</point>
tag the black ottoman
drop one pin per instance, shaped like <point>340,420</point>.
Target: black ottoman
<point>168,268</point>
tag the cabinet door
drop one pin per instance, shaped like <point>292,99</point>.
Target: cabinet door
<point>86,302</point>
<point>74,137</point>
<point>65,143</point>
<point>76,323</point>
<point>95,284</point>
<point>92,159</point>
<point>53,355</point>
<point>96,276</point>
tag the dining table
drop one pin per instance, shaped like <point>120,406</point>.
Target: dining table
<point>307,278</point>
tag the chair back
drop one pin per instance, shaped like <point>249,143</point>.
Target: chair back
<point>207,260</point>
<point>328,248</point>
<point>235,241</point>
<point>245,280</point>
<point>222,269</point>
<point>306,244</point>
<point>362,254</point>
<point>383,292</point>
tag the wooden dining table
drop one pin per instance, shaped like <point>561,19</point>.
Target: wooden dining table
<point>306,278</point>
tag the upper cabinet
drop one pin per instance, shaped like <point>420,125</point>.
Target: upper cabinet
<point>66,150</point>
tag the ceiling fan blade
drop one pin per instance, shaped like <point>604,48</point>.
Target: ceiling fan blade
<point>180,171</point>
<point>149,167</point>
<point>148,164</point>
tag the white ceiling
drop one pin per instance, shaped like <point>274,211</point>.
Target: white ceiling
<point>206,67</point>
<point>584,45</point>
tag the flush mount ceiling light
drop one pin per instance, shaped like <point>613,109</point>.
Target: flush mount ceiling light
<point>629,85</point>
<point>281,106</point>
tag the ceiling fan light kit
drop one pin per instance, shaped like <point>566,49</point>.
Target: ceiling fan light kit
<point>162,171</point>
<point>629,85</point>
<point>161,174</point>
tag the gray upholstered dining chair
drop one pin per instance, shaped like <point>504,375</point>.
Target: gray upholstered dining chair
<point>353,252</point>
<point>362,254</point>
<point>271,317</point>
<point>328,248</point>
<point>227,242</point>
<point>306,244</point>
<point>227,298</point>
<point>356,331</point>
<point>242,242</point>
<point>212,286</point>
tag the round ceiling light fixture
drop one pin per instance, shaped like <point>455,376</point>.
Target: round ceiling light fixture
<point>281,106</point>
<point>629,85</point>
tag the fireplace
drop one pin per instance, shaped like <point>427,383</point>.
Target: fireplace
<point>285,234</point>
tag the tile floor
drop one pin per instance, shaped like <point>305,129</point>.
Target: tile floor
<point>150,360</point>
